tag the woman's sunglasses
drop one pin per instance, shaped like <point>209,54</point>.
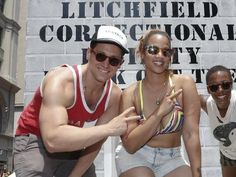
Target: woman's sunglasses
<point>154,50</point>
<point>224,85</point>
<point>113,61</point>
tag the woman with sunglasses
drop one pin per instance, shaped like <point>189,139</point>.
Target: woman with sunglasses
<point>221,109</point>
<point>151,147</point>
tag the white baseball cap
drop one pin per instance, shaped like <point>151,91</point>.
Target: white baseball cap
<point>110,34</point>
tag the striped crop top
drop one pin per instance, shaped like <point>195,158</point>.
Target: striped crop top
<point>174,119</point>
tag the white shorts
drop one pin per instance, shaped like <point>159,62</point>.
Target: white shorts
<point>160,160</point>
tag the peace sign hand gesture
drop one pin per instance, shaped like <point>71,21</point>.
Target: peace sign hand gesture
<point>118,125</point>
<point>168,103</point>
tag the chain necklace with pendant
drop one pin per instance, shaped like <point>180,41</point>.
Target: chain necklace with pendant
<point>161,94</point>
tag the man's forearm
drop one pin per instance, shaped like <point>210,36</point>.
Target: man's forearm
<point>86,160</point>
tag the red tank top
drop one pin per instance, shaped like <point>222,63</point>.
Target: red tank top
<point>78,113</point>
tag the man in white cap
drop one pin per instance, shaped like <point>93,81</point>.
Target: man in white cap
<point>50,138</point>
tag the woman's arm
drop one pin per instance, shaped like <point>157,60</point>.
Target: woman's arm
<point>191,105</point>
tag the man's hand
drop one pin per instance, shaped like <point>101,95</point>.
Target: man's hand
<point>118,125</point>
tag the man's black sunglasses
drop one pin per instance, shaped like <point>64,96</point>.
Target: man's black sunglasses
<point>154,50</point>
<point>225,85</point>
<point>113,61</point>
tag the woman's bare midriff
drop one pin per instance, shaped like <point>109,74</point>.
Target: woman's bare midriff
<point>166,140</point>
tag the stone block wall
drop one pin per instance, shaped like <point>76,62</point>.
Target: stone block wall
<point>203,33</point>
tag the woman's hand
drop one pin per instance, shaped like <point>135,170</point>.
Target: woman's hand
<point>168,103</point>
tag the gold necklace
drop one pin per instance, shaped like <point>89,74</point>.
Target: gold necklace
<point>161,94</point>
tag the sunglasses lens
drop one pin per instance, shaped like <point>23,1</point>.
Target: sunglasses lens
<point>100,57</point>
<point>114,61</point>
<point>153,50</point>
<point>167,52</point>
<point>213,88</point>
<point>224,86</point>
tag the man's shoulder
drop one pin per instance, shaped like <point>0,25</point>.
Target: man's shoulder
<point>59,88</point>
<point>58,80</point>
<point>59,73</point>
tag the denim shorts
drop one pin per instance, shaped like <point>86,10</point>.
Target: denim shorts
<point>160,160</point>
